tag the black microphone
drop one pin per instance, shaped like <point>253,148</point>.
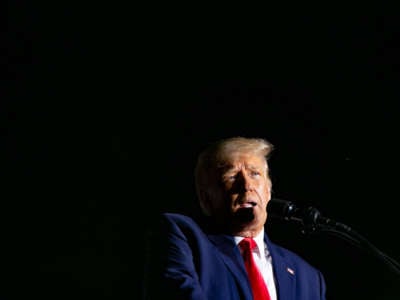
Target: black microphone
<point>308,216</point>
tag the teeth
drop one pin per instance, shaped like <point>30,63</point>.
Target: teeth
<point>246,205</point>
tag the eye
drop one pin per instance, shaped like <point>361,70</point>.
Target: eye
<point>255,173</point>
<point>231,177</point>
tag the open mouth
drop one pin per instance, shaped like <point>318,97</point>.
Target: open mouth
<point>248,204</point>
<point>245,213</point>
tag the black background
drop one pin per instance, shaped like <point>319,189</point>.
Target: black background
<point>106,107</point>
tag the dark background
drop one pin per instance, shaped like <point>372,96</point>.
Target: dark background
<point>105,108</point>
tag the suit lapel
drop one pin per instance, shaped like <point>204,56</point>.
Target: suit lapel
<point>284,273</point>
<point>231,256</point>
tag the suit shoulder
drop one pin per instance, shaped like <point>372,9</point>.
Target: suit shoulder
<point>179,220</point>
<point>176,218</point>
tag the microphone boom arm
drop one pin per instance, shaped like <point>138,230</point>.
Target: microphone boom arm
<point>313,222</point>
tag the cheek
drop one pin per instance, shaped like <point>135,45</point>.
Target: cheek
<point>221,197</point>
<point>268,188</point>
<point>268,192</point>
<point>265,192</point>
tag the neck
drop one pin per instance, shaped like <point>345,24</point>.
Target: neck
<point>245,232</point>
<point>242,229</point>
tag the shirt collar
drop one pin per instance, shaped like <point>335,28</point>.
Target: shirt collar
<point>259,239</point>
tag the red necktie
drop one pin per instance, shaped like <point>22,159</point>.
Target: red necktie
<point>258,286</point>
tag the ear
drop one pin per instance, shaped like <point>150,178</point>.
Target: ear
<point>205,202</point>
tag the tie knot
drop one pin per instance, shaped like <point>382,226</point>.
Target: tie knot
<point>247,244</point>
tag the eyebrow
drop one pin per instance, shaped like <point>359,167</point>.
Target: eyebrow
<point>253,168</point>
<point>229,168</point>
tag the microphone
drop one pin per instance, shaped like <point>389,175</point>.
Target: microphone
<point>307,216</point>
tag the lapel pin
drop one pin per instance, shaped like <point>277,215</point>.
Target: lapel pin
<point>290,270</point>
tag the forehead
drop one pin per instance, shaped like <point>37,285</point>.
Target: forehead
<point>238,160</point>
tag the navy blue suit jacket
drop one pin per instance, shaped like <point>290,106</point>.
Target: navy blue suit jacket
<point>196,264</point>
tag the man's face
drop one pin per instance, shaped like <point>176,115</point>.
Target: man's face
<point>244,189</point>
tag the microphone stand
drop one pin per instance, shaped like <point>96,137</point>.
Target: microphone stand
<point>313,222</point>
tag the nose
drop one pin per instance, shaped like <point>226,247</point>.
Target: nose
<point>245,182</point>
